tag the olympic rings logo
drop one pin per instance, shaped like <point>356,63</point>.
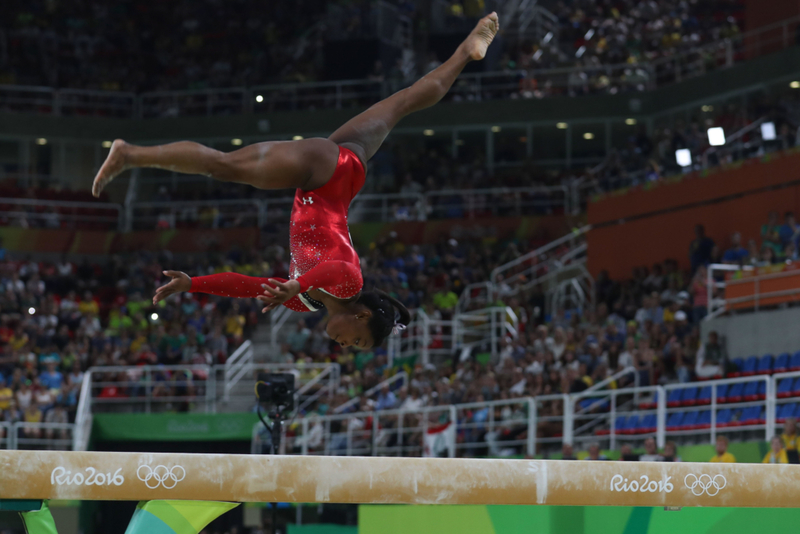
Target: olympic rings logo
<point>705,484</point>
<point>161,476</point>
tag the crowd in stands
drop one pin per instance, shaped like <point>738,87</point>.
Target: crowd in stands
<point>59,319</point>
<point>138,46</point>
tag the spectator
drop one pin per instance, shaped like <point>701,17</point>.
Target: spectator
<point>790,231</point>
<point>723,456</point>
<point>790,440</point>
<point>699,294</point>
<point>386,399</point>
<point>776,454</point>
<point>700,248</point>
<point>736,254</point>
<point>566,452</point>
<point>57,415</point>
<point>626,454</point>
<point>711,359</point>
<point>594,452</point>
<point>670,452</point>
<point>297,340</point>
<point>771,235</point>
<point>650,452</point>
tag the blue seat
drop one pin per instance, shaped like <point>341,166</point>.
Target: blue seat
<point>750,392</point>
<point>762,390</point>
<point>794,363</point>
<point>781,363</point>
<point>674,398</point>
<point>704,396</point>
<point>785,388</point>
<point>749,416</point>
<point>704,419</point>
<point>724,417</point>
<point>649,404</point>
<point>765,365</point>
<point>689,397</point>
<point>738,364</point>
<point>796,413</point>
<point>648,424</point>
<point>784,411</point>
<point>750,366</point>
<point>674,421</point>
<point>735,393</point>
<point>722,393</point>
<point>632,424</point>
<point>619,424</point>
<point>690,421</point>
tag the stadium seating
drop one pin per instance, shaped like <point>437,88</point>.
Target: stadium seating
<point>781,363</point>
<point>764,365</point>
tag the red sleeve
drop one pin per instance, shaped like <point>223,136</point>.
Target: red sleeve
<point>230,285</point>
<point>338,278</point>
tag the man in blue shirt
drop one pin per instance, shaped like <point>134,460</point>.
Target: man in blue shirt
<point>737,254</point>
<point>51,378</point>
<point>789,230</point>
<point>386,399</point>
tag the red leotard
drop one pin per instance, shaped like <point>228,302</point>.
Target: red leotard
<point>322,253</point>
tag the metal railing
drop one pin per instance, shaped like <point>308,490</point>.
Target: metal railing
<point>50,436</point>
<point>151,388</point>
<point>237,366</point>
<point>522,425</point>
<point>719,303</point>
<point>675,67</point>
<point>59,214</point>
<point>390,382</point>
<point>83,416</point>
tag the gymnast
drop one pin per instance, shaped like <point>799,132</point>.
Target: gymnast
<point>325,271</point>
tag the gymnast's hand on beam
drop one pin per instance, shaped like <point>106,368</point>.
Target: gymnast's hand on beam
<point>275,296</point>
<point>180,282</point>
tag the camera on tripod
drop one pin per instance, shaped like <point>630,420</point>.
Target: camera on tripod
<point>276,391</point>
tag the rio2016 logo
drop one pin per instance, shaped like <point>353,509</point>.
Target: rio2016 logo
<point>642,484</point>
<point>90,477</point>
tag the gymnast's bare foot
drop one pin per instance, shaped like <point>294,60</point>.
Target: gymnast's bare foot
<point>115,163</point>
<point>481,37</point>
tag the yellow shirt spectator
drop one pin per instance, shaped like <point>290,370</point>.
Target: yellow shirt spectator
<point>234,325</point>
<point>88,306</point>
<point>5,397</point>
<point>789,442</point>
<point>726,458</point>
<point>779,458</point>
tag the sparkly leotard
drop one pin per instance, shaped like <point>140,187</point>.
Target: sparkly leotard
<point>322,253</point>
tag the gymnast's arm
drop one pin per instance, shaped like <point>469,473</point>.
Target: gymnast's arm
<point>222,284</point>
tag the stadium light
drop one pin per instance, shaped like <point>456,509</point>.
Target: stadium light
<point>106,144</point>
<point>795,85</point>
<point>297,138</point>
<point>427,132</point>
<point>716,136</point>
<point>768,131</point>
<point>684,157</point>
<point>154,316</point>
<point>32,310</point>
<point>41,141</point>
<point>561,125</point>
<point>588,136</point>
<point>630,122</point>
<point>236,142</point>
<point>496,129</point>
<point>259,98</point>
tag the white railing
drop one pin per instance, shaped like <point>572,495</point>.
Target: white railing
<point>54,436</point>
<point>83,416</point>
<point>521,425</point>
<point>401,377</point>
<point>59,213</point>
<point>676,67</point>
<point>237,366</point>
<point>135,388</point>
<point>7,436</point>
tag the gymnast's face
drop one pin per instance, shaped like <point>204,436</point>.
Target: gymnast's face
<point>351,329</point>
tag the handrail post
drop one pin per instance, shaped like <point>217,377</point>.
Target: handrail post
<point>451,447</point>
<point>772,405</point>
<point>304,426</point>
<point>661,417</point>
<point>532,427</point>
<point>612,436</point>
<point>568,419</point>
<point>713,413</point>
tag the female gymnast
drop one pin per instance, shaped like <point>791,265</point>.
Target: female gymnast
<point>325,271</point>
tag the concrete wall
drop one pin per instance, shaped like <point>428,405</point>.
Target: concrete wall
<point>758,333</point>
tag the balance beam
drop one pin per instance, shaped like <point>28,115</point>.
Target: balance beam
<point>257,478</point>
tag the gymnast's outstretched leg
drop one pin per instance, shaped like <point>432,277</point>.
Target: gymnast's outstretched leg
<point>309,163</point>
<point>365,133</point>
